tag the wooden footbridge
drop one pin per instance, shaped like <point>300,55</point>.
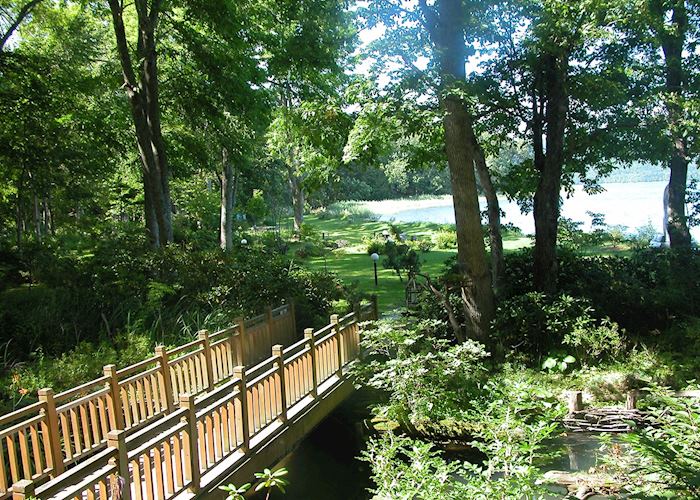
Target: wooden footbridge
<point>185,421</point>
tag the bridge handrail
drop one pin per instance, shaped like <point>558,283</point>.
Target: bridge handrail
<point>62,430</point>
<point>167,456</point>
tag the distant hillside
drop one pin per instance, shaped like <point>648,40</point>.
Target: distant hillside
<point>644,172</point>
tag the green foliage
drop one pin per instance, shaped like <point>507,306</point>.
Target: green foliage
<point>664,459</point>
<point>535,324</point>
<point>256,208</point>
<point>552,364</point>
<point>401,258</point>
<point>446,239</point>
<point>97,297</point>
<point>641,293</point>
<point>268,479</point>
<point>511,422</point>
<point>424,376</point>
<point>272,480</point>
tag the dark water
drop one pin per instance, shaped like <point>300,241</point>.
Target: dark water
<point>324,466</point>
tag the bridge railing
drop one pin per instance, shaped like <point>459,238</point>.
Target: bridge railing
<point>169,455</point>
<point>62,430</point>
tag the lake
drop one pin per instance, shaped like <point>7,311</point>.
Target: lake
<point>632,205</point>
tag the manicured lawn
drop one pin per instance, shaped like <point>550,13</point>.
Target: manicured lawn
<point>352,264</point>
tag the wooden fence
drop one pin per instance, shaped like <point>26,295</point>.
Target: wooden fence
<point>62,430</point>
<point>170,455</point>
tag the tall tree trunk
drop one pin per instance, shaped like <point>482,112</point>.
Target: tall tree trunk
<point>298,199</point>
<point>228,193</point>
<point>549,161</point>
<point>493,209</point>
<point>672,43</point>
<point>37,218</point>
<point>19,214</point>
<point>145,110</point>
<point>447,32</point>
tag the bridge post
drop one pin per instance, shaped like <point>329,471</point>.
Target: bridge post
<point>338,343</point>
<point>23,489</point>
<point>278,352</point>
<point>54,438</point>
<point>309,336</point>
<point>117,440</point>
<point>114,401</point>
<point>167,384</point>
<point>243,422</point>
<point>203,336</point>
<point>241,354</point>
<point>190,448</point>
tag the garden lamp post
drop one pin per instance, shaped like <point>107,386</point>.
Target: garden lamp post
<point>375,259</point>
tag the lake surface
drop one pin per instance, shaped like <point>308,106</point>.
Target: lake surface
<point>632,205</point>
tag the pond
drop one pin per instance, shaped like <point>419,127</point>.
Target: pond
<point>633,205</point>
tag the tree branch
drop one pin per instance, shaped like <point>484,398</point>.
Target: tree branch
<point>23,13</point>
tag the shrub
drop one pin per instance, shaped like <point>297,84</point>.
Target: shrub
<point>374,244</point>
<point>446,239</point>
<point>309,249</point>
<point>424,377</point>
<point>643,292</point>
<point>535,324</point>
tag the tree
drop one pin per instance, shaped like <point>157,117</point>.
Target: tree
<point>12,14</point>
<point>664,34</point>
<point>304,66</point>
<point>440,31</point>
<point>558,81</point>
<point>60,124</point>
<point>141,85</point>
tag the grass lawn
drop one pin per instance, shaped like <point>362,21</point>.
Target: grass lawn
<point>352,264</point>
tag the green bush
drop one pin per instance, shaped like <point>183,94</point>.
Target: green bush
<point>643,292</point>
<point>446,239</point>
<point>94,295</point>
<point>374,244</point>
<point>535,324</point>
<point>424,377</point>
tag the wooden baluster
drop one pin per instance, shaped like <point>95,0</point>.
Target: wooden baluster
<point>23,490</point>
<point>117,440</point>
<point>239,373</point>
<point>55,457</point>
<point>191,449</point>
<point>309,336</point>
<point>338,343</point>
<point>116,416</point>
<point>203,335</point>
<point>166,384</point>
<point>278,353</point>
